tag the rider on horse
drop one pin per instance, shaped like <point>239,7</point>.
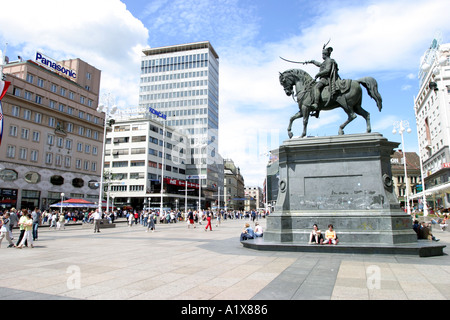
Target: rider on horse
<point>328,74</point>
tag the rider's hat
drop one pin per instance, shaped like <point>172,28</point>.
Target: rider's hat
<point>327,50</point>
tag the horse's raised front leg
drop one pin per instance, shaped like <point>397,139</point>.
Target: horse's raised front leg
<point>293,118</point>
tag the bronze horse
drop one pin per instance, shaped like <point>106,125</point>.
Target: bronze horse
<point>350,100</point>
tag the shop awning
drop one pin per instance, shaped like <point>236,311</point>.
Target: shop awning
<point>438,189</point>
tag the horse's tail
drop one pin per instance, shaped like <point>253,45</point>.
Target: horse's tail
<point>371,86</point>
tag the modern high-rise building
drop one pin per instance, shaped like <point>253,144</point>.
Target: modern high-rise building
<point>53,134</point>
<point>182,82</point>
<point>432,110</point>
<point>134,163</point>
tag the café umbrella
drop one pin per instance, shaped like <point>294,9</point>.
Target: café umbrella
<point>74,203</point>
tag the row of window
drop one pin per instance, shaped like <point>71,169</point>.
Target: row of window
<point>173,95</point>
<point>57,106</point>
<point>53,122</point>
<point>58,141</point>
<point>50,158</point>
<point>174,76</point>
<point>174,85</point>
<point>60,90</point>
<point>191,61</point>
<point>175,60</point>
<point>124,188</point>
<point>141,163</point>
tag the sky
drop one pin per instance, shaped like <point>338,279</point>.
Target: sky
<point>381,39</point>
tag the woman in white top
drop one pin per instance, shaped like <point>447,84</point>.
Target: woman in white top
<point>258,230</point>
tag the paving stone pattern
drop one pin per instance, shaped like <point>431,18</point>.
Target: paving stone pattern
<point>177,263</point>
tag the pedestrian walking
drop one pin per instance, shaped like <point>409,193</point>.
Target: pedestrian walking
<point>13,221</point>
<point>28,234</point>
<point>151,222</point>
<point>4,230</point>
<point>208,224</point>
<point>130,219</point>
<point>97,218</point>
<point>37,217</point>
<point>191,219</point>
<point>53,219</point>
<point>21,224</point>
<point>61,222</point>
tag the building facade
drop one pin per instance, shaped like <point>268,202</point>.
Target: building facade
<point>182,82</point>
<point>234,190</point>
<point>433,120</point>
<point>254,199</point>
<point>53,135</point>
<point>406,188</point>
<point>134,161</point>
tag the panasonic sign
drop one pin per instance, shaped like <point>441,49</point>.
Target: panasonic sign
<point>51,64</point>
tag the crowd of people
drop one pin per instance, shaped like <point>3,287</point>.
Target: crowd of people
<point>28,221</point>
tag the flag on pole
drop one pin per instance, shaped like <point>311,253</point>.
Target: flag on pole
<point>3,88</point>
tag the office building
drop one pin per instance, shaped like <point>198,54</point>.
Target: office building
<point>433,121</point>
<point>53,135</point>
<point>134,161</point>
<point>182,82</point>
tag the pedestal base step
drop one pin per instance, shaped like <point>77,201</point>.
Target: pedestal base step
<point>422,248</point>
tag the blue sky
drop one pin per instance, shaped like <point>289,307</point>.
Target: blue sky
<point>381,39</point>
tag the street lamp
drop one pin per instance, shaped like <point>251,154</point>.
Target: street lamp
<point>109,109</point>
<point>200,176</point>
<point>401,126</point>
<point>62,199</point>
<point>267,154</point>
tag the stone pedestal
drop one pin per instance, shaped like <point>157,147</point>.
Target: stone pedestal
<point>341,180</point>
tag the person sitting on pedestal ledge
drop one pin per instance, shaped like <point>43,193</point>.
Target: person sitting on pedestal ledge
<point>247,233</point>
<point>316,235</point>
<point>330,236</point>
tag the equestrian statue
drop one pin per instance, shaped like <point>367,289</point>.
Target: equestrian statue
<point>328,93</point>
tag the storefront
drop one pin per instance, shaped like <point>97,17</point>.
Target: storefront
<point>8,198</point>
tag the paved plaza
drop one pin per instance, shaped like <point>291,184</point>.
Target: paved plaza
<point>177,263</point>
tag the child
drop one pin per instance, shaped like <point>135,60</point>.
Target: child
<point>330,235</point>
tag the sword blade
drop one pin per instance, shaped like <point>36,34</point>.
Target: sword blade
<point>299,62</point>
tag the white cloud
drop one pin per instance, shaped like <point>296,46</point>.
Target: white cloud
<point>383,40</point>
<point>101,32</point>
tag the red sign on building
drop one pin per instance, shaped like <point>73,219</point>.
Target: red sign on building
<point>180,183</point>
